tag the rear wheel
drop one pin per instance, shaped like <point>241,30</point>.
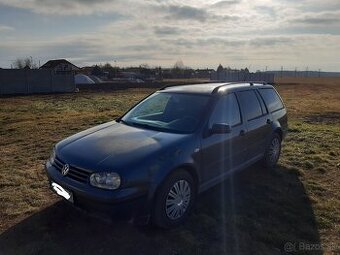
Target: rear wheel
<point>273,151</point>
<point>174,200</point>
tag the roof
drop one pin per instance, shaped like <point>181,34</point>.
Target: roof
<point>212,88</point>
<point>55,62</point>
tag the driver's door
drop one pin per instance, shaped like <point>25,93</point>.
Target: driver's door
<point>222,152</point>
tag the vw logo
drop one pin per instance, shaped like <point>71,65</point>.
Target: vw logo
<point>65,169</point>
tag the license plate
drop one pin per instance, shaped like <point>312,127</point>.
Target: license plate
<point>62,191</point>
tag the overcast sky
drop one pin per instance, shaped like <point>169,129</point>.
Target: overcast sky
<point>201,33</point>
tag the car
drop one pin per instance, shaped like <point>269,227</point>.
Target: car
<point>151,163</point>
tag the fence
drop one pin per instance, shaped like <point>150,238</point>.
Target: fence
<point>111,86</point>
<point>31,81</point>
<point>242,76</point>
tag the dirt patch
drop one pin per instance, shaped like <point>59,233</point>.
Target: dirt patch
<point>325,118</point>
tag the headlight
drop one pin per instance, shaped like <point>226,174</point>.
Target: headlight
<point>52,157</point>
<point>105,180</point>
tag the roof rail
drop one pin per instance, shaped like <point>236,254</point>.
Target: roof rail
<point>214,91</point>
<point>259,82</point>
<point>166,86</point>
<point>251,83</point>
<point>163,88</point>
<point>218,87</point>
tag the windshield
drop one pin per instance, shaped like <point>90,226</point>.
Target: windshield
<point>173,112</point>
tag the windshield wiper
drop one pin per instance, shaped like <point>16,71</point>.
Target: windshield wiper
<point>143,125</point>
<point>135,124</point>
<point>126,122</point>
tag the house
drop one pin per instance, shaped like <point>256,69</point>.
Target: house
<point>203,73</point>
<point>60,66</point>
<point>231,75</point>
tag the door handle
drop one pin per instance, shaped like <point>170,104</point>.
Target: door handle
<point>242,132</point>
<point>269,121</point>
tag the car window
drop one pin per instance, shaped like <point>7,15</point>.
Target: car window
<point>168,112</point>
<point>250,104</point>
<point>263,107</point>
<point>271,99</point>
<point>154,105</point>
<point>226,111</point>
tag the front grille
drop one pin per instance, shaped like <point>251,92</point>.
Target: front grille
<point>74,173</point>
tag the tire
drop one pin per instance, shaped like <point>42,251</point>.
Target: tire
<point>273,151</point>
<point>174,200</point>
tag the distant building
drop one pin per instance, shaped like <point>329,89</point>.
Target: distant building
<point>230,75</point>
<point>60,66</point>
<point>203,73</point>
<point>129,75</point>
<point>220,68</point>
<point>87,70</point>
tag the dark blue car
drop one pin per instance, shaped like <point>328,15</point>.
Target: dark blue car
<point>152,162</point>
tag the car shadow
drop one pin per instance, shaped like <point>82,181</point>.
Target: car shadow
<point>252,212</point>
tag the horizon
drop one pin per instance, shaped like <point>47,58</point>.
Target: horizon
<point>37,66</point>
<point>260,35</point>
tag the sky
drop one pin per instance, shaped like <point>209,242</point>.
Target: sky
<point>258,34</point>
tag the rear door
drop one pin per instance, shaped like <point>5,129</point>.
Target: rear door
<point>275,106</point>
<point>221,152</point>
<point>258,122</point>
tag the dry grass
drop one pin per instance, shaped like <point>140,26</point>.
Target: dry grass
<point>305,101</point>
<point>308,80</point>
<point>253,212</point>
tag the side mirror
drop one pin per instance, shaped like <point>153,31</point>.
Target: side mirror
<point>220,128</point>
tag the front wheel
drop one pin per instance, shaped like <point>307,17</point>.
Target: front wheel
<point>174,200</point>
<point>273,151</point>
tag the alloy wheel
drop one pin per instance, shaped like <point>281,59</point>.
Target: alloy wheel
<point>178,200</point>
<point>274,150</point>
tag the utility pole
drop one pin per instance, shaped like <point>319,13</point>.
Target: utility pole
<point>319,72</point>
<point>115,61</point>
<point>281,71</point>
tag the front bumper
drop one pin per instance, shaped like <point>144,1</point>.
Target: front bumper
<point>126,203</point>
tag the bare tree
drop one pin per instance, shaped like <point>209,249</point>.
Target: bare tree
<point>21,63</point>
<point>144,66</point>
<point>179,65</point>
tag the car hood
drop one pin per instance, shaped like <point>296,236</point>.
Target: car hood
<point>114,145</point>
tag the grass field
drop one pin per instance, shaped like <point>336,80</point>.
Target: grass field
<point>253,212</point>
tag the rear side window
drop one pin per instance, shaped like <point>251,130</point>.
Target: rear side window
<point>226,111</point>
<point>250,104</point>
<point>264,110</point>
<point>271,99</point>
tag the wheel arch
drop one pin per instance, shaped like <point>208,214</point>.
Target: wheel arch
<point>156,211</point>
<point>278,131</point>
<point>276,127</point>
<point>190,168</point>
